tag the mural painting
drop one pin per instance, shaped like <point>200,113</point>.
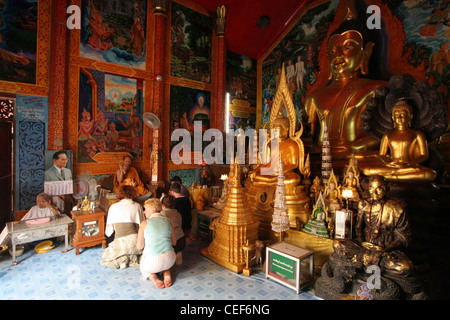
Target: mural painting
<point>188,105</point>
<point>191,44</point>
<point>18,40</point>
<point>241,84</point>
<point>114,31</point>
<point>110,116</point>
<point>427,29</point>
<point>298,50</point>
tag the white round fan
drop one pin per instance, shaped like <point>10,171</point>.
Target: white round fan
<point>151,120</point>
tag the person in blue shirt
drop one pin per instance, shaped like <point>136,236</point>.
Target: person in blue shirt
<point>156,237</point>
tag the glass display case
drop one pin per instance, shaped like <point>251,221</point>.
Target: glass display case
<point>89,229</point>
<point>290,265</point>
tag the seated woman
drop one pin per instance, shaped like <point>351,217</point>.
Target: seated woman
<point>42,209</point>
<point>156,237</point>
<point>123,219</point>
<point>168,211</point>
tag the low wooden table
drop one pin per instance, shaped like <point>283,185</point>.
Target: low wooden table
<point>23,232</point>
<point>89,229</point>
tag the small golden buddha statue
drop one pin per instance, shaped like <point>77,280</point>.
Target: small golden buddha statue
<point>315,189</point>
<point>351,181</point>
<point>332,194</point>
<point>85,204</point>
<point>342,101</point>
<point>402,150</point>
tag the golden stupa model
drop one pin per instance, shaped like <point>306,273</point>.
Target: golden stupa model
<point>233,231</point>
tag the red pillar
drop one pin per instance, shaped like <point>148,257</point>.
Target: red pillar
<point>221,82</point>
<point>221,66</point>
<point>159,11</point>
<point>57,77</point>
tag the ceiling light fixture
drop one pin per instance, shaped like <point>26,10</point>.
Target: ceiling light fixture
<point>263,22</point>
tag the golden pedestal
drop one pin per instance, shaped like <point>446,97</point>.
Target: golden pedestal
<point>321,247</point>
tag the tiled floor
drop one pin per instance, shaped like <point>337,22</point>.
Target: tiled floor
<point>66,276</point>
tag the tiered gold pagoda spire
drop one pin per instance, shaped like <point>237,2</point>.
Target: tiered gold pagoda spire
<point>233,230</point>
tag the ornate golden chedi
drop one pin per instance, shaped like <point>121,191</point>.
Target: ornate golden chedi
<point>235,229</point>
<point>261,183</point>
<point>342,101</point>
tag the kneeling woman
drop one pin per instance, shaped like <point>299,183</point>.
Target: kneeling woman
<point>156,237</point>
<point>123,219</point>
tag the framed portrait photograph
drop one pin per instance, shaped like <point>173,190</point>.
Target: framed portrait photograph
<point>58,178</point>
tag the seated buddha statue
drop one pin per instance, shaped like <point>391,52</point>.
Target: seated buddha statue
<point>262,181</point>
<point>266,174</point>
<point>317,224</point>
<point>332,194</point>
<point>351,181</point>
<point>402,150</point>
<point>341,102</point>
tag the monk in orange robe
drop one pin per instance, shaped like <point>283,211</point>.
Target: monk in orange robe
<point>127,175</point>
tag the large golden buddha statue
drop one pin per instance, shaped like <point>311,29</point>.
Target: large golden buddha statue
<point>342,101</point>
<point>262,181</point>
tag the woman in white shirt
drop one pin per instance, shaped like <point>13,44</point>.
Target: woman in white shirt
<point>42,209</point>
<point>123,219</point>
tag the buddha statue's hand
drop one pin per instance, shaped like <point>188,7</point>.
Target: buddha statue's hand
<point>397,164</point>
<point>372,254</point>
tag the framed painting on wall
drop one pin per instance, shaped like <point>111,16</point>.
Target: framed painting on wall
<point>110,117</point>
<point>191,44</point>
<point>188,105</point>
<point>18,40</point>
<point>241,84</point>
<point>114,31</point>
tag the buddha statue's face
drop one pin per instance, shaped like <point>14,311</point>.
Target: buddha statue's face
<point>401,117</point>
<point>345,54</point>
<point>280,131</point>
<point>377,190</point>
